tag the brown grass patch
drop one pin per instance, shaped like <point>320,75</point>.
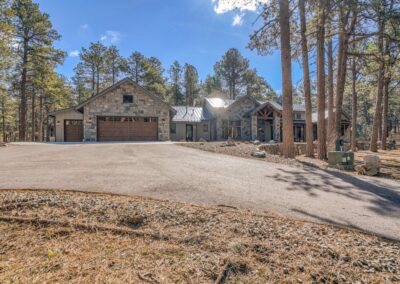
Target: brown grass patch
<point>69,237</point>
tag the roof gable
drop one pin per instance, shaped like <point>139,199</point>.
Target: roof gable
<point>115,86</point>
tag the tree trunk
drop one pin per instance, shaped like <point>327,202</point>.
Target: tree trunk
<point>93,81</point>
<point>41,119</point>
<point>331,106</point>
<point>385,133</point>
<point>33,117</point>
<point>23,104</point>
<point>378,103</point>
<point>306,82</point>
<point>113,74</point>
<point>321,80</point>
<point>342,67</point>
<point>354,108</point>
<point>97,81</point>
<point>3,115</point>
<point>287,114</point>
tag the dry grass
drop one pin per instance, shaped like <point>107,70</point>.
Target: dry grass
<point>67,237</point>
<point>390,162</point>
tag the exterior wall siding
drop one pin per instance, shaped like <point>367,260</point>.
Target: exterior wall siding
<point>198,131</point>
<point>111,104</point>
<point>60,117</point>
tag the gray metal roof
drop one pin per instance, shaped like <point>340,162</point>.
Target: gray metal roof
<point>188,114</point>
<point>278,106</point>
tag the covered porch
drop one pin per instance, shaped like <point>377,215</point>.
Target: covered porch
<point>267,124</point>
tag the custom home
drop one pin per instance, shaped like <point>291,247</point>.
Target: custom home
<point>128,112</point>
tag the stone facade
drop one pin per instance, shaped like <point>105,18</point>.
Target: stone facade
<point>239,111</point>
<point>111,104</point>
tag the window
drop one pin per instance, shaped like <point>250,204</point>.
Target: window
<point>127,99</point>
<point>232,129</point>
<point>205,127</point>
<point>342,129</point>
<point>146,119</point>
<point>173,128</point>
<point>297,115</point>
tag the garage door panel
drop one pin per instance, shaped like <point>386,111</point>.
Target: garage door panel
<point>127,129</point>
<point>73,130</point>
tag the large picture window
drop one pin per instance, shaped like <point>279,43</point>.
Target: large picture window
<point>232,129</point>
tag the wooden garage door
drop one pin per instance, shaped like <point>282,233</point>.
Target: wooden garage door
<point>73,130</point>
<point>113,128</point>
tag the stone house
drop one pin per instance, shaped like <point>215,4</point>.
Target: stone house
<point>246,119</point>
<point>128,112</point>
<point>122,112</point>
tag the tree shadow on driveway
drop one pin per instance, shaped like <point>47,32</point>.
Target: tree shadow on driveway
<point>384,199</point>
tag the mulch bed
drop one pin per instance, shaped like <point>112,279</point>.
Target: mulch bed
<point>70,237</point>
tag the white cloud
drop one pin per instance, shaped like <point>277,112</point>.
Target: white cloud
<point>84,26</point>
<point>223,6</point>
<point>74,53</point>
<point>237,20</point>
<point>112,37</point>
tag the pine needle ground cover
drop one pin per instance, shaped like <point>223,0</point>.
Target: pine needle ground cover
<point>70,237</point>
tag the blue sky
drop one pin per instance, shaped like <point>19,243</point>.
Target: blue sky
<point>194,31</point>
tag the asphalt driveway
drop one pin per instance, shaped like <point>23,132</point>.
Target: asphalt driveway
<point>167,171</point>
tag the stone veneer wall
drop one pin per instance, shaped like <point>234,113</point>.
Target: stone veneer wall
<point>111,104</point>
<point>237,112</point>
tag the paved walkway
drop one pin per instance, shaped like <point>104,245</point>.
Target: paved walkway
<point>163,170</point>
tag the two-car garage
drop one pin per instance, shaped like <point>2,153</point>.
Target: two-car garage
<point>123,112</point>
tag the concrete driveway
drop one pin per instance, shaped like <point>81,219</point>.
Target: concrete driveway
<point>167,171</point>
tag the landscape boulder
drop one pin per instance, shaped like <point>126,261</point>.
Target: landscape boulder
<point>258,154</point>
<point>370,167</point>
<point>256,142</point>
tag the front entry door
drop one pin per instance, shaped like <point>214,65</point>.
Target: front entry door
<point>189,132</point>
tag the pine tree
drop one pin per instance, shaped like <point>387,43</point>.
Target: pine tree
<point>175,77</point>
<point>232,68</point>
<point>35,36</point>
<point>93,61</point>
<point>191,84</point>
<point>306,81</point>
<point>286,60</point>
<point>135,67</point>
<point>114,63</point>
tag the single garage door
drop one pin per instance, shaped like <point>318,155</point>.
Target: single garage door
<point>117,128</point>
<point>73,130</point>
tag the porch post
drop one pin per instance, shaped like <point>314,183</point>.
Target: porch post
<point>277,127</point>
<point>254,127</point>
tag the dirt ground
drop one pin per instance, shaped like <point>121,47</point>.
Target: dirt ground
<point>241,149</point>
<point>390,160</point>
<point>69,237</point>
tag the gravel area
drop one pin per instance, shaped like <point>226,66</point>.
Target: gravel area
<point>241,149</point>
<point>70,237</point>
